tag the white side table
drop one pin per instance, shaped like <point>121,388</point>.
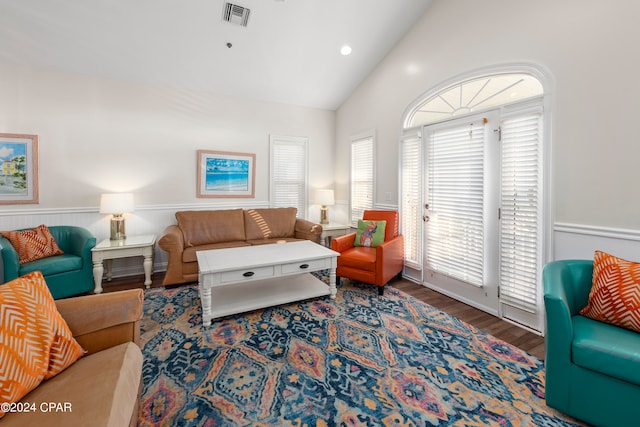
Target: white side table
<point>332,230</point>
<point>131,246</point>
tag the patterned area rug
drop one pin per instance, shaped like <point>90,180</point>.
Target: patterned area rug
<point>358,360</point>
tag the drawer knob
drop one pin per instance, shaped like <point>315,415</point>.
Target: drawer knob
<point>303,266</point>
<point>248,274</point>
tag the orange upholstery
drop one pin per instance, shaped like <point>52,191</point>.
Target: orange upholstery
<point>377,265</point>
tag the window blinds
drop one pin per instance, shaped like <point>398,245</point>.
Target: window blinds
<point>361,178</point>
<point>411,199</point>
<point>520,234</point>
<point>288,186</point>
<point>455,174</point>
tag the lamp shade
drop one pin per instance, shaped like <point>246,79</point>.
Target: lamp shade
<point>116,203</point>
<point>324,197</point>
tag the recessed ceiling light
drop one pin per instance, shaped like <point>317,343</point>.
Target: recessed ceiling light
<point>345,50</point>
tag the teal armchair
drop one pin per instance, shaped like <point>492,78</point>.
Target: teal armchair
<point>66,275</point>
<point>592,368</point>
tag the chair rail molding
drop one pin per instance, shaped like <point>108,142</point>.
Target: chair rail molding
<point>578,241</point>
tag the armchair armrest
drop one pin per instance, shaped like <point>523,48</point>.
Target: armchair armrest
<point>104,320</point>
<point>80,242</point>
<point>391,253</point>
<point>342,243</point>
<point>305,229</point>
<point>9,259</point>
<point>564,283</point>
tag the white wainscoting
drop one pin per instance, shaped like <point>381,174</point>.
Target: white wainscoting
<point>574,241</point>
<point>145,220</point>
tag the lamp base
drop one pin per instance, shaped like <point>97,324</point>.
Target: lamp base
<point>324,215</point>
<point>117,228</point>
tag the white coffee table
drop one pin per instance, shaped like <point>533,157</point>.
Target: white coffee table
<point>236,280</point>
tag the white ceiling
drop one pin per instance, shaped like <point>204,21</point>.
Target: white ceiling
<point>288,53</point>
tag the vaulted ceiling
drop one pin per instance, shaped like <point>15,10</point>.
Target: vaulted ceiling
<point>289,52</point>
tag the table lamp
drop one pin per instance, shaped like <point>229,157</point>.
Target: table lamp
<point>324,198</point>
<point>116,204</point>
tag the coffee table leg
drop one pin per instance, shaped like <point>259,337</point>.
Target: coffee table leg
<point>205,297</point>
<point>332,283</point>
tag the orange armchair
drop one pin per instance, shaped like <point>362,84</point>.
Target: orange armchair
<point>375,266</point>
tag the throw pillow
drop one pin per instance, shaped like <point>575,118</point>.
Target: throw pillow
<point>370,233</point>
<point>33,244</point>
<point>615,292</point>
<point>35,341</point>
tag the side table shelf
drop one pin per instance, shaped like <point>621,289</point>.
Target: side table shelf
<point>108,250</point>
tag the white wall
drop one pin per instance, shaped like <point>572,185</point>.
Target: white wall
<point>588,49</point>
<point>98,135</point>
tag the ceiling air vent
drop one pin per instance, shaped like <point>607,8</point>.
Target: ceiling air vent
<point>235,14</point>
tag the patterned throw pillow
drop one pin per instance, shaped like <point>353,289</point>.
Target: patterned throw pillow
<point>615,292</point>
<point>35,341</point>
<point>370,233</point>
<point>33,244</point>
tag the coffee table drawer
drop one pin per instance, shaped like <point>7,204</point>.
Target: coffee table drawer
<point>248,274</point>
<point>302,266</point>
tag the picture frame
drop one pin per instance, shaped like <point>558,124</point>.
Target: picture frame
<point>18,169</point>
<point>226,174</point>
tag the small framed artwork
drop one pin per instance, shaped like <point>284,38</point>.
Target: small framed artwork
<point>18,169</point>
<point>224,174</point>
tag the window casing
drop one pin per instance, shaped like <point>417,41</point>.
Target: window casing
<point>288,186</point>
<point>362,176</point>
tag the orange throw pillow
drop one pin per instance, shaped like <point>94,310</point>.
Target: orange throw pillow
<point>33,244</point>
<point>35,341</point>
<point>615,292</point>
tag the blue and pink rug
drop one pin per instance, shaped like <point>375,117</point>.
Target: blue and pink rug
<point>361,360</point>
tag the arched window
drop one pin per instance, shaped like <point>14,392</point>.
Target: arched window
<point>473,175</point>
<point>473,95</point>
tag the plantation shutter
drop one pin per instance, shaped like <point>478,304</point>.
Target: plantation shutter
<point>288,183</point>
<point>361,177</point>
<point>455,173</point>
<point>411,198</point>
<point>520,210</point>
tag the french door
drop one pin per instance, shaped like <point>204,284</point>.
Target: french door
<point>460,209</point>
<point>481,209</point>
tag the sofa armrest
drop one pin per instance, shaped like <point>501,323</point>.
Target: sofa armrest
<point>342,243</point>
<point>305,229</point>
<point>104,320</point>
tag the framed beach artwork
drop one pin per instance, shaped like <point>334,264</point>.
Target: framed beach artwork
<point>224,174</point>
<point>18,169</point>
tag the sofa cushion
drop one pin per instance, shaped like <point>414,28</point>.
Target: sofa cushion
<point>189,254</point>
<point>272,241</point>
<point>606,349</point>
<point>205,227</point>
<point>35,341</point>
<point>33,243</point>
<point>615,292</point>
<point>101,389</point>
<point>271,223</point>
<point>360,258</point>
<point>53,265</point>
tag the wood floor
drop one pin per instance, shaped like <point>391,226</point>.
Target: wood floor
<point>527,341</point>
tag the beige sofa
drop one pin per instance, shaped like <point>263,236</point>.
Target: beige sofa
<point>216,229</point>
<point>102,388</point>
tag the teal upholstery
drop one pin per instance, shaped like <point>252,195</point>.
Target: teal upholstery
<point>66,275</point>
<point>592,368</point>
